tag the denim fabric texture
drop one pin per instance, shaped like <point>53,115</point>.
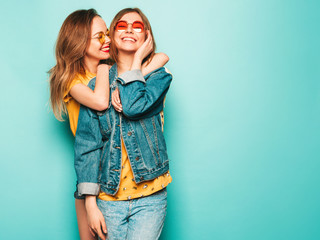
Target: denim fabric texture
<point>77,195</point>
<point>98,137</point>
<point>140,218</point>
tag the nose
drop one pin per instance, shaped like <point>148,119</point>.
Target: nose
<point>129,28</point>
<point>107,39</point>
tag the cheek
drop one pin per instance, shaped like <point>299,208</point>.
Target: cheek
<point>97,45</point>
<point>92,47</point>
<point>142,38</point>
<point>140,41</point>
<point>94,50</point>
<point>116,41</point>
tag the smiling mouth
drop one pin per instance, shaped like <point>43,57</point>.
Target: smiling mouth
<point>128,39</point>
<point>106,49</point>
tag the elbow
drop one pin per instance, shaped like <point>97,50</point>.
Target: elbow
<point>164,57</point>
<point>101,105</point>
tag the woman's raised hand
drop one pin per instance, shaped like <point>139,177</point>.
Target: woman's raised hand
<point>142,52</point>
<point>116,101</point>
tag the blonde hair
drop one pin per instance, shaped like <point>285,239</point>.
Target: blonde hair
<point>147,26</point>
<point>71,45</point>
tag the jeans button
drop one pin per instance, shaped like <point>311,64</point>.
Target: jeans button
<point>137,158</point>
<point>129,134</point>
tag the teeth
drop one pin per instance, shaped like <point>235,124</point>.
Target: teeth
<point>128,39</point>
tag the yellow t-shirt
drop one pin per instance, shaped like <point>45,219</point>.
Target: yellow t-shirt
<point>128,189</point>
<point>73,107</point>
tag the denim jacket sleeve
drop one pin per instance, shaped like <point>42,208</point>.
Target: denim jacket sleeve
<point>142,97</point>
<point>87,147</point>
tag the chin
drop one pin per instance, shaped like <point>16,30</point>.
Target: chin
<point>105,56</point>
<point>129,49</point>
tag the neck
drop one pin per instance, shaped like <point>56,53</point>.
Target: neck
<point>91,65</point>
<point>125,61</point>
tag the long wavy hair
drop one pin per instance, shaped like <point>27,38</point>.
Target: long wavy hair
<point>113,49</point>
<point>71,45</point>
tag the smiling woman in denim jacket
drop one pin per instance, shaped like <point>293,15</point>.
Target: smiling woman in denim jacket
<point>82,42</point>
<point>121,159</point>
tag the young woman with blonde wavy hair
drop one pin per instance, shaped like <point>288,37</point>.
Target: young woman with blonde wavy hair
<point>82,48</point>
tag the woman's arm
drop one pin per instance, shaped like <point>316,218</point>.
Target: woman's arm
<point>140,99</point>
<point>87,148</point>
<point>97,99</point>
<point>87,152</point>
<point>142,52</point>
<point>143,97</point>
<point>159,60</point>
<point>95,218</point>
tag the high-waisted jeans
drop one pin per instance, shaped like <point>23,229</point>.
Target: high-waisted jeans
<point>140,218</point>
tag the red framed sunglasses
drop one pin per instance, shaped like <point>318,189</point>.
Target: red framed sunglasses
<point>122,26</point>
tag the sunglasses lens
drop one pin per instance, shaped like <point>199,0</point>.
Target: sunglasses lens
<point>101,38</point>
<point>137,26</point>
<point>121,26</point>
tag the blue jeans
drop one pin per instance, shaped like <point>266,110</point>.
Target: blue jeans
<point>140,218</point>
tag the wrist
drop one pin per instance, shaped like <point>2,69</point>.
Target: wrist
<point>136,64</point>
<point>103,67</point>
<point>135,67</point>
<point>90,201</point>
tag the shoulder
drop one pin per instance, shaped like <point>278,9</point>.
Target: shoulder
<point>78,79</point>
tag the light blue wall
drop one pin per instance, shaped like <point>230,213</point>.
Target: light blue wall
<point>242,119</point>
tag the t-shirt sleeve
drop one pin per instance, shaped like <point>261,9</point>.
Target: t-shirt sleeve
<point>67,96</point>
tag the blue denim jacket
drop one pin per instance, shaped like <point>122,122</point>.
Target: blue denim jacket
<point>98,137</point>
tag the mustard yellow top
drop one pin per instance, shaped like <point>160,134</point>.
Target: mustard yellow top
<point>73,107</point>
<point>128,189</point>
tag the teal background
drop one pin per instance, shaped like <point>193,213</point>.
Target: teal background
<point>242,119</point>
